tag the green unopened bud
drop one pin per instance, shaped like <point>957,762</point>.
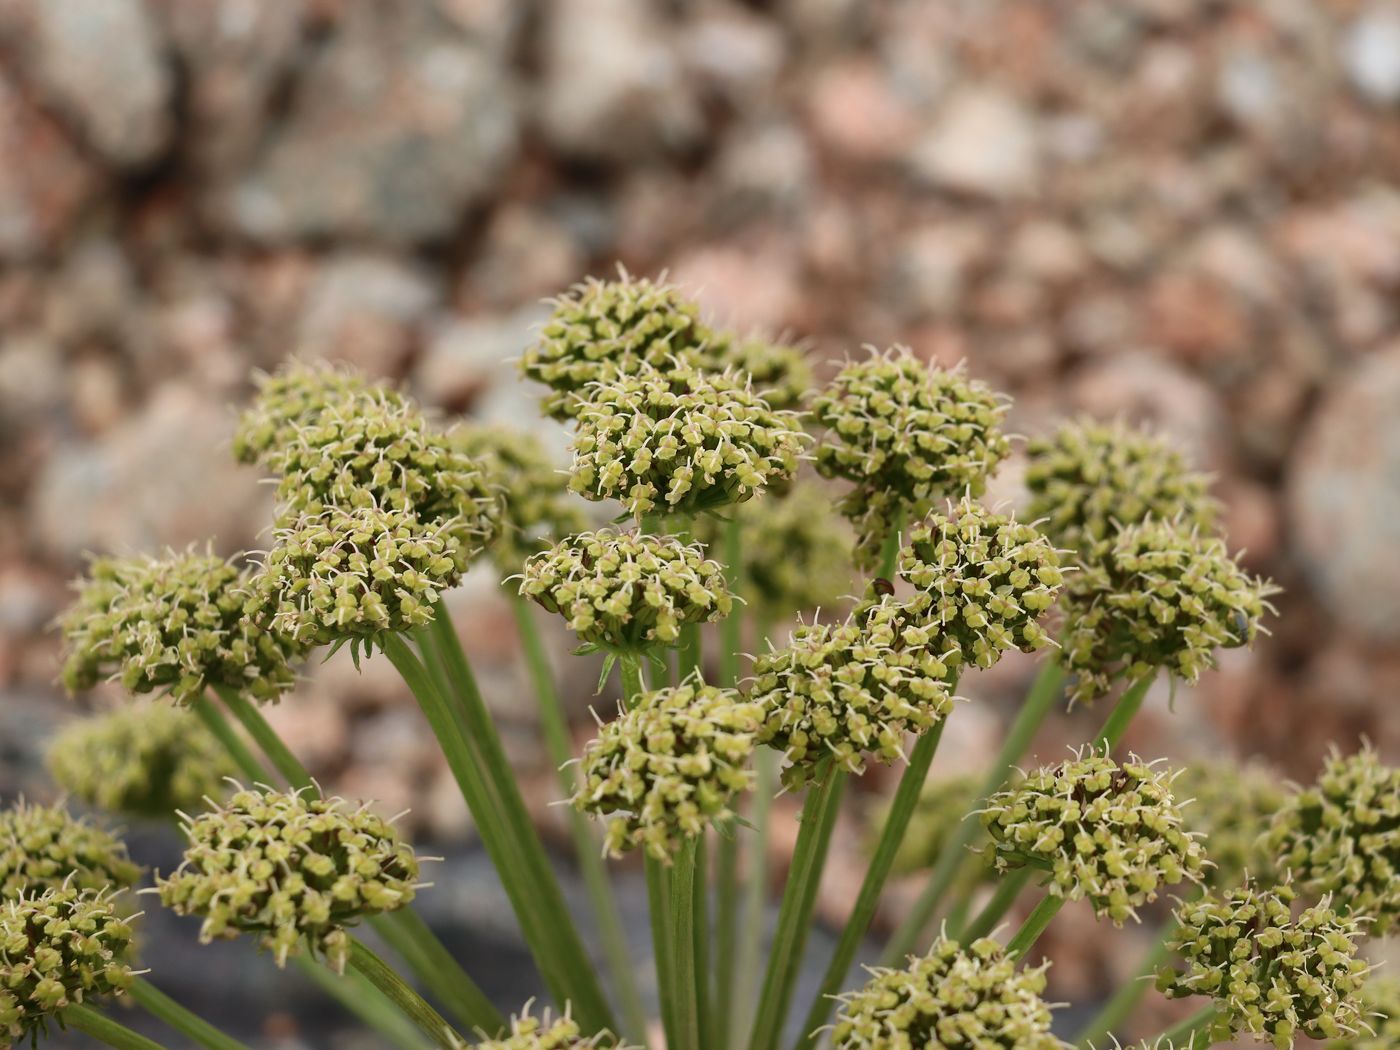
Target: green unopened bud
<point>1380,1001</point>
<point>1270,974</point>
<point>173,623</point>
<point>1105,832</point>
<point>58,947</point>
<point>908,436</point>
<point>957,998</point>
<point>145,760</point>
<point>45,847</point>
<point>1341,837</point>
<point>627,591</point>
<point>1162,596</point>
<point>666,770</point>
<point>292,868</point>
<point>780,373</point>
<point>542,1033</point>
<point>1231,807</point>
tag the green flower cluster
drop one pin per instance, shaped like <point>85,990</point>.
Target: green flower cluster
<point>1161,597</point>
<point>838,692</point>
<point>58,947</point>
<point>174,623</point>
<point>1088,480</point>
<point>626,591</point>
<point>1270,974</point>
<point>540,1033</point>
<point>681,440</point>
<point>1341,837</point>
<point>1103,831</point>
<point>983,579</point>
<point>536,507</point>
<point>666,769</point>
<point>942,805</point>
<point>145,760</point>
<point>1380,1000</point>
<point>953,998</point>
<point>600,330</point>
<point>781,374</point>
<point>290,867</point>
<point>908,435</point>
<point>1231,806</point>
<point>45,847</point>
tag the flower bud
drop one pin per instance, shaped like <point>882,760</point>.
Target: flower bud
<point>1231,806</point>
<point>1103,831</point>
<point>781,374</point>
<point>542,1033</point>
<point>291,868</point>
<point>1380,1001</point>
<point>953,998</point>
<point>45,847</point>
<point>666,769</point>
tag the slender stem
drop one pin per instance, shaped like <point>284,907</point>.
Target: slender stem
<point>1120,1007</point>
<point>428,958</point>
<point>755,896</point>
<point>414,1006</point>
<point>1183,1034</point>
<point>85,1019</point>
<point>889,553</point>
<point>630,667</point>
<point>238,749</point>
<point>1123,712</point>
<point>278,753</point>
<point>727,861</point>
<point>906,796</point>
<point>1006,893</point>
<point>161,1006</point>
<point>1042,696</point>
<point>364,1000</point>
<point>663,952</point>
<point>795,913</point>
<point>587,848</point>
<point>685,970</point>
<point>1034,926</point>
<point>732,626</point>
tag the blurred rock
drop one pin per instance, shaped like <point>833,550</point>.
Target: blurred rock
<point>1371,51</point>
<point>366,309</point>
<point>856,113</point>
<point>464,359</point>
<point>982,143</point>
<point>41,198</point>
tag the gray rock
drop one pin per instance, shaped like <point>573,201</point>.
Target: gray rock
<point>39,199</point>
<point>465,359</point>
<point>1371,53</point>
<point>983,142</point>
<point>366,309</point>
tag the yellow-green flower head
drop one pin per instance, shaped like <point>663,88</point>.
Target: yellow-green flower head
<point>908,435</point>
<point>602,329</point>
<point>1341,837</point>
<point>625,591</point>
<point>843,691</point>
<point>1088,480</point>
<point>666,769</point>
<point>145,760</point>
<point>780,373</point>
<point>1231,806</point>
<point>682,441</point>
<point>42,847</point>
<point>58,947</point>
<point>940,809</point>
<point>173,623</point>
<point>383,455</point>
<point>1270,974</point>
<point>1380,1000</point>
<point>984,580</point>
<point>1163,596</point>
<point>542,1033</point>
<point>1105,832</point>
<point>537,509</point>
<point>293,397</point>
<point>353,574</point>
<point>293,869</point>
<point>954,997</point>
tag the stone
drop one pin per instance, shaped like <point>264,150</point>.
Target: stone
<point>856,113</point>
<point>757,288</point>
<point>527,254</point>
<point>366,309</point>
<point>1371,53</point>
<point>983,142</point>
<point>41,198</point>
<point>465,359</point>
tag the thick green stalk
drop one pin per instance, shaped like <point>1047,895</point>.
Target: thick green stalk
<point>87,1020</point>
<point>755,896</point>
<point>587,847</point>
<point>663,952</point>
<point>1128,705</point>
<point>727,861</point>
<point>906,796</point>
<point>630,668</point>
<point>1039,700</point>
<point>1120,1007</point>
<point>795,913</point>
<point>414,1006</point>
<point>1008,889</point>
<point>238,750</point>
<point>357,996</point>
<point>278,753</point>
<point>1183,1034</point>
<point>161,1006</point>
<point>1034,926</point>
<point>889,552</point>
<point>427,957</point>
<point>686,974</point>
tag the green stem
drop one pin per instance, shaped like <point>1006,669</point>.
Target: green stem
<point>414,1006</point>
<point>686,974</point>
<point>238,750</point>
<point>889,553</point>
<point>1182,1035</point>
<point>795,913</point>
<point>906,796</point>
<point>357,996</point>
<point>663,952</point>
<point>1034,926</point>
<point>85,1019</point>
<point>278,753</point>
<point>727,862</point>
<point>587,848</point>
<point>161,1006</point>
<point>1123,712</point>
<point>427,957</point>
<point>1042,696</point>
<point>1120,1007</point>
<point>1008,889</point>
<point>630,667</point>
<point>755,896</point>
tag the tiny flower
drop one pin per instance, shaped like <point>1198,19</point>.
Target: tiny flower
<point>173,623</point>
<point>45,847</point>
<point>666,769</point>
<point>983,581</point>
<point>353,574</point>
<point>58,947</point>
<point>542,1033</point>
<point>1162,596</point>
<point>908,436</point>
<point>536,507</point>
<point>781,374</point>
<point>293,869</point>
<point>843,691</point>
<point>1380,1001</point>
<point>1088,480</point>
<point>943,804</point>
<point>681,441</point>
<point>626,591</point>
<point>600,330</point>
<point>1270,974</point>
<point>1231,806</point>
<point>1341,837</point>
<point>1103,831</point>
<point>145,760</point>
<point>954,997</point>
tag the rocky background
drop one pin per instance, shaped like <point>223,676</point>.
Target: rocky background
<point>1180,211</point>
